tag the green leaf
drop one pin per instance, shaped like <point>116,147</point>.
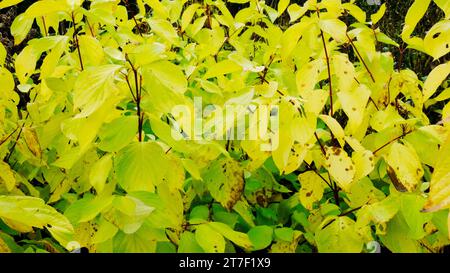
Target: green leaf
<point>188,244</point>
<point>142,241</point>
<point>260,236</point>
<point>284,233</point>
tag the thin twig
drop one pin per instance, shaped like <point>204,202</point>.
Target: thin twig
<point>76,42</point>
<point>360,57</point>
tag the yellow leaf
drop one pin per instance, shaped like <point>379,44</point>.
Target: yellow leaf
<point>9,3</point>
<point>356,12</point>
<point>311,189</point>
<point>335,128</point>
<point>413,16</point>
<point>364,163</point>
<point>32,141</point>
<point>335,28</point>
<point>296,156</point>
<point>378,15</point>
<point>437,40</point>
<point>100,171</point>
<point>221,68</point>
<point>434,79</point>
<point>282,5</point>
<point>44,7</point>
<point>7,176</point>
<point>405,163</point>
<point>340,166</point>
<point>439,197</point>
<point>354,104</point>
<point>188,14</point>
<point>445,6</point>
<point>158,8</point>
<point>344,70</point>
<point>295,12</point>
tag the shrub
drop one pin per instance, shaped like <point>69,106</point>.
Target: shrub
<point>178,126</point>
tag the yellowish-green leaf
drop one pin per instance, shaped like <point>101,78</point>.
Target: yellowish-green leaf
<point>238,238</point>
<point>339,237</point>
<point>164,30</point>
<point>169,75</point>
<point>100,172</point>
<point>140,166</point>
<point>221,68</point>
<point>33,212</point>
<point>210,240</point>
<point>25,64</point>
<point>93,86</point>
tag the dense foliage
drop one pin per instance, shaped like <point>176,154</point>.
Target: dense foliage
<point>96,154</point>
